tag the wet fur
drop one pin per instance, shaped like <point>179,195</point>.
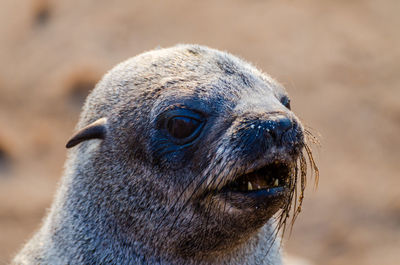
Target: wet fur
<point>132,198</point>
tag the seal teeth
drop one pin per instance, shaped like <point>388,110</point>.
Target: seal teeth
<point>249,186</point>
<point>276,182</point>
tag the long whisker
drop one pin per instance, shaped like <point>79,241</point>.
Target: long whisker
<point>296,197</point>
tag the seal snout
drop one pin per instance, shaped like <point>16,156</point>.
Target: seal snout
<point>265,135</point>
<point>269,145</point>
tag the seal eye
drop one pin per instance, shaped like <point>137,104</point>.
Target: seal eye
<point>182,127</point>
<point>286,102</point>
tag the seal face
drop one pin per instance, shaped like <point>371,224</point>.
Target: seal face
<point>195,152</point>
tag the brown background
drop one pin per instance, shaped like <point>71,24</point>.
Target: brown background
<point>340,62</point>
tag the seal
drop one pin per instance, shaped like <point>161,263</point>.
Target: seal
<point>185,155</point>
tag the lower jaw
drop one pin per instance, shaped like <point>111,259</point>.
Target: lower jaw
<point>259,200</point>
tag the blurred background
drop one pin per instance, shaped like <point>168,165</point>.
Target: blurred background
<point>339,60</point>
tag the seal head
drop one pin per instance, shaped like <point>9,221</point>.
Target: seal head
<point>183,156</point>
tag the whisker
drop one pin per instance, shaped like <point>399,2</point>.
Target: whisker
<point>296,197</point>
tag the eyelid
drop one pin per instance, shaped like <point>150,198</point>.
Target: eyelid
<point>182,112</point>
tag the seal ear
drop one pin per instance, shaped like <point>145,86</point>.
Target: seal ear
<point>95,130</point>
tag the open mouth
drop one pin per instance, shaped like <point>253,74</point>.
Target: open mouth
<point>271,176</point>
<point>263,187</point>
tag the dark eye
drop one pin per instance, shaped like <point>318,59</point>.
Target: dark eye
<point>286,102</point>
<point>182,127</point>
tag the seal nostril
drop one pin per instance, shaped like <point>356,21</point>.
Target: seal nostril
<point>277,125</point>
<point>284,124</point>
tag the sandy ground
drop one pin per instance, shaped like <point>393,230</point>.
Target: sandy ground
<point>340,62</point>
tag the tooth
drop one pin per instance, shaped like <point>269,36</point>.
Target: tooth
<point>249,186</point>
<point>276,183</point>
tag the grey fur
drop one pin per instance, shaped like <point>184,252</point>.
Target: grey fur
<point>121,201</point>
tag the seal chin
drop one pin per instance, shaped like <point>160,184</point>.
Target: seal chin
<point>265,188</point>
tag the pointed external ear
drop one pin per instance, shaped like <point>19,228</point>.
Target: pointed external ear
<point>95,130</point>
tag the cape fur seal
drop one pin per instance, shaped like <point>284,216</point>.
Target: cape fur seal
<point>185,155</point>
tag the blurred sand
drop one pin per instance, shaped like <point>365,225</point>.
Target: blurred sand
<point>340,62</point>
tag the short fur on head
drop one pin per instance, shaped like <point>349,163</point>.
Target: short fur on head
<point>153,174</point>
